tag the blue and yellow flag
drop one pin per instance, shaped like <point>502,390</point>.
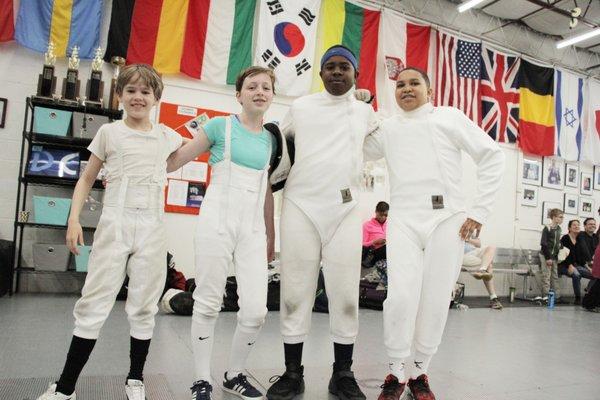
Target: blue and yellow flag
<point>67,23</point>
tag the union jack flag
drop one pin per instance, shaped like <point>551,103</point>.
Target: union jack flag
<point>500,95</point>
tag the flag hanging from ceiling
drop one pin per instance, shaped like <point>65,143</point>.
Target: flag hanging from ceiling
<point>536,115</point>
<point>218,39</point>
<point>7,21</point>
<point>568,107</point>
<point>402,44</point>
<point>287,32</point>
<point>591,128</point>
<point>67,23</point>
<point>458,75</point>
<point>355,27</point>
<point>149,32</point>
<point>500,95</point>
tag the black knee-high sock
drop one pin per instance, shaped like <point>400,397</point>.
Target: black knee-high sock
<point>293,353</point>
<point>343,355</point>
<point>79,353</point>
<point>137,354</point>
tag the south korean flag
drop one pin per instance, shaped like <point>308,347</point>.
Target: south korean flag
<point>287,33</point>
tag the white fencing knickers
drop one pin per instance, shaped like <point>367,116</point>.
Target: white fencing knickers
<point>424,254</point>
<point>128,240</point>
<point>301,253</point>
<point>231,230</point>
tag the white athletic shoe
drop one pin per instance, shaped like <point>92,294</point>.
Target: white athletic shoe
<point>135,390</point>
<point>51,394</point>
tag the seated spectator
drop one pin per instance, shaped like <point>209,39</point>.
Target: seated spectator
<point>591,300</point>
<point>374,236</point>
<point>481,258</point>
<point>588,239</point>
<point>575,265</point>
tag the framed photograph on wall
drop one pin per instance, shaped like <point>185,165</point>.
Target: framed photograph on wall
<point>532,172</point>
<point>546,207</point>
<point>586,207</point>
<point>530,196</point>
<point>572,175</point>
<point>553,173</point>
<point>3,103</point>
<point>586,184</point>
<point>596,177</point>
<point>571,204</point>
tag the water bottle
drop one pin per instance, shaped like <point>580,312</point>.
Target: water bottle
<point>551,299</point>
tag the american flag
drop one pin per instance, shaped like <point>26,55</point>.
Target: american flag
<point>500,95</point>
<point>458,73</point>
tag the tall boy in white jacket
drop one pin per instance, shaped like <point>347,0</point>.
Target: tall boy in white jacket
<point>427,222</point>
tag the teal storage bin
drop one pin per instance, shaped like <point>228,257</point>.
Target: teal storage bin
<point>51,210</point>
<point>81,261</point>
<point>51,122</point>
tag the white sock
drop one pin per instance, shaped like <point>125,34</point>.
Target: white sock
<point>242,343</point>
<point>202,342</point>
<point>397,369</point>
<point>420,364</point>
<point>493,296</point>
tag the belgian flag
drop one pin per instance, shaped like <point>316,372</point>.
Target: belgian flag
<point>536,123</point>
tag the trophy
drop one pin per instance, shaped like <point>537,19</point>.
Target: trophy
<point>118,62</point>
<point>47,80</point>
<point>70,88</point>
<point>95,87</point>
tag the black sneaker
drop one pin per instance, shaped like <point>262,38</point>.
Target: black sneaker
<point>288,385</point>
<point>201,390</point>
<point>577,301</point>
<point>343,383</point>
<point>240,387</point>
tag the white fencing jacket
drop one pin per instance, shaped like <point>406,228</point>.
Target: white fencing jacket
<point>423,148</point>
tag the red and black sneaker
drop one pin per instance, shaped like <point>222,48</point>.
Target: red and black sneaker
<point>419,388</point>
<point>391,388</point>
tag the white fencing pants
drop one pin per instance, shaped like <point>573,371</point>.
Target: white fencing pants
<point>301,253</point>
<point>423,266</point>
<point>239,244</point>
<point>141,255</point>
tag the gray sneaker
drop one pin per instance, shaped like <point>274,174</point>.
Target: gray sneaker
<point>495,304</point>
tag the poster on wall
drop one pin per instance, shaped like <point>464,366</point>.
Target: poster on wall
<point>586,184</point>
<point>546,207</point>
<point>571,204</point>
<point>186,187</point>
<point>530,196</point>
<point>571,175</point>
<point>532,172</point>
<point>553,173</point>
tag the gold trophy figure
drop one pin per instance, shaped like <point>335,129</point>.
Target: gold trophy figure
<point>118,62</point>
<point>95,86</point>
<point>70,92</point>
<point>47,80</point>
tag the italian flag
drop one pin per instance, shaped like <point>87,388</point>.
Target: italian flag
<point>342,22</point>
<point>403,44</point>
<point>218,39</point>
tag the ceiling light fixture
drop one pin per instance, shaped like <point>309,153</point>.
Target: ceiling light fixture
<point>468,5</point>
<point>578,38</point>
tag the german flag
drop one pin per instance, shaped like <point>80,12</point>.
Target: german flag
<point>148,31</point>
<point>536,123</point>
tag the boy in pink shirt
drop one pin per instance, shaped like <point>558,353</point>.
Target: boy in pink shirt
<point>374,236</point>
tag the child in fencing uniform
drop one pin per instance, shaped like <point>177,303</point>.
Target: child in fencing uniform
<point>130,237</point>
<point>319,212</point>
<point>427,222</point>
<point>236,213</point>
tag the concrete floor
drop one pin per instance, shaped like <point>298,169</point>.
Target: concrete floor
<point>527,353</point>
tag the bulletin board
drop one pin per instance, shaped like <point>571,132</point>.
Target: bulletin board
<point>186,186</point>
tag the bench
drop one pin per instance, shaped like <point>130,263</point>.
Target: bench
<point>519,262</point>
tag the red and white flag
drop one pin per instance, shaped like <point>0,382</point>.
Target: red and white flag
<point>401,44</point>
<point>591,128</point>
